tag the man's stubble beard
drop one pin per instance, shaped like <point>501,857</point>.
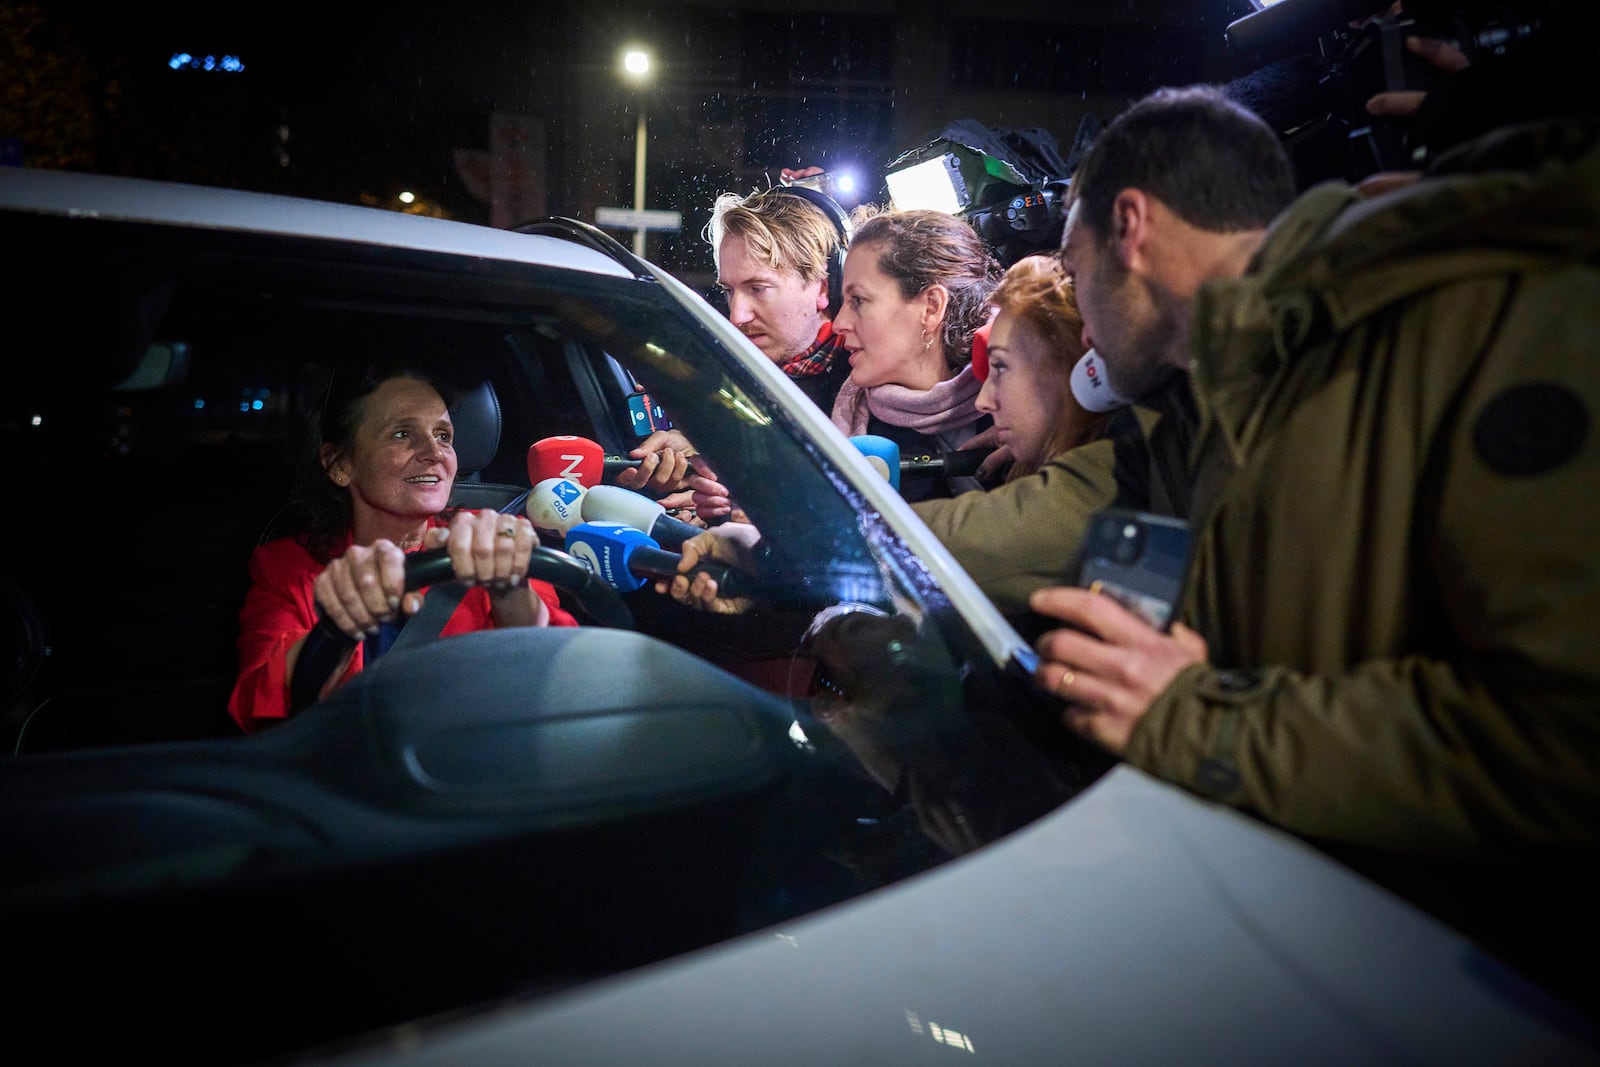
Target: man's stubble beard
<point>1156,348</point>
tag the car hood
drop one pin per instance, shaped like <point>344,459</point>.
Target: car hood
<point>1136,924</point>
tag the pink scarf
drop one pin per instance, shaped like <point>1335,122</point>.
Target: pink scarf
<point>950,405</point>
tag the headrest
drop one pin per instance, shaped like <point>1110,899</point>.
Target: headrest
<point>476,417</point>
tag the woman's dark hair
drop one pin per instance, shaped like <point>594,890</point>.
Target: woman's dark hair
<point>317,507</point>
<point>920,248</point>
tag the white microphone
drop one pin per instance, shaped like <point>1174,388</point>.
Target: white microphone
<point>1090,386</point>
<point>612,503</point>
<point>555,506</point>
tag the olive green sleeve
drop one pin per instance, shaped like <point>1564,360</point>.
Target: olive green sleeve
<point>1411,755</point>
<point>1488,729</point>
<point>1024,535</point>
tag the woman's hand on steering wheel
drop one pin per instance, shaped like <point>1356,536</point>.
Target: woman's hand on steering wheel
<point>487,548</point>
<point>492,549</point>
<point>367,585</point>
<point>363,588</point>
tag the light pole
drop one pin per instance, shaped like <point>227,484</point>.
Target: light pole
<point>636,67</point>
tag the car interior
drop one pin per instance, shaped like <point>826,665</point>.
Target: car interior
<point>161,435</point>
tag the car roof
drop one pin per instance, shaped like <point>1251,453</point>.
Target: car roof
<point>67,193</point>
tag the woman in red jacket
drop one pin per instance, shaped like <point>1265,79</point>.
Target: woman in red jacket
<point>374,486</point>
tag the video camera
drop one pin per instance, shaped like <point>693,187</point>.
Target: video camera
<point>1312,65</point>
<point>1009,185</point>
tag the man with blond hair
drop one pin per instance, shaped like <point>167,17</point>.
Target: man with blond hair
<point>773,250</point>
<point>778,255</point>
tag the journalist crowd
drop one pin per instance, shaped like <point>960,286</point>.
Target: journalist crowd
<point>1372,399</point>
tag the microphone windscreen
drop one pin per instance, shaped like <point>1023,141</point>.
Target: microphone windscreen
<point>555,505</point>
<point>612,503</point>
<point>1090,386</point>
<point>880,450</point>
<point>566,456</point>
<point>604,547</point>
<point>980,351</point>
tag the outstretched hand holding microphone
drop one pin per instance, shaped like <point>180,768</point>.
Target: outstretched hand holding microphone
<point>627,537</point>
<point>562,469</point>
<point>732,547</point>
<point>571,502</point>
<point>660,464</point>
<point>626,559</point>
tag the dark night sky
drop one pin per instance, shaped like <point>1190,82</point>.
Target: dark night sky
<point>369,93</point>
<point>409,86</point>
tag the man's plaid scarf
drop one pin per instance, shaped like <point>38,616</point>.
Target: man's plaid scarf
<point>818,359</point>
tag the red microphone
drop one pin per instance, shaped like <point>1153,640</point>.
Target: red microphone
<point>565,456</point>
<point>980,351</point>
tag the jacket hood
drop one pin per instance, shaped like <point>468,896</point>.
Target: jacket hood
<point>1506,202</point>
<point>1502,202</point>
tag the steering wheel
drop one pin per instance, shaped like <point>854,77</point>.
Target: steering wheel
<point>326,644</point>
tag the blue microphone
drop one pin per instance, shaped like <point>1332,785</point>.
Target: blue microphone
<point>882,453</point>
<point>607,548</point>
<point>627,559</point>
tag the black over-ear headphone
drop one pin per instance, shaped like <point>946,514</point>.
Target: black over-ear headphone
<point>841,222</point>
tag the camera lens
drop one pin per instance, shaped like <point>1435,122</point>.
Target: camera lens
<point>1130,542</point>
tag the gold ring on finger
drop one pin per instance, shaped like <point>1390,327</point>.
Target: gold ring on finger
<point>1067,678</point>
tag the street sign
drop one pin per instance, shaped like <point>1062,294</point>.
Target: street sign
<point>625,218</point>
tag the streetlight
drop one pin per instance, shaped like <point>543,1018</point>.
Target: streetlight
<point>636,68</point>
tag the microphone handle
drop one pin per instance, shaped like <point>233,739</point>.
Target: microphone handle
<point>654,563</point>
<point>615,465</point>
<point>672,533</point>
<point>962,463</point>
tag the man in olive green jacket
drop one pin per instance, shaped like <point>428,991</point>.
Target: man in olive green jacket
<point>1394,606</point>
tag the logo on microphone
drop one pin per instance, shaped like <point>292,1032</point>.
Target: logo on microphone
<point>1091,388</point>
<point>585,553</point>
<point>565,491</point>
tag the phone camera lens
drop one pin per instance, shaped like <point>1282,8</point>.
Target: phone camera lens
<point>1130,542</point>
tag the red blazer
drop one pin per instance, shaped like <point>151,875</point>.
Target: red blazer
<point>280,608</point>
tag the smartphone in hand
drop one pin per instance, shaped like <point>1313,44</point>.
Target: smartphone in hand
<point>1138,559</point>
<point>646,415</point>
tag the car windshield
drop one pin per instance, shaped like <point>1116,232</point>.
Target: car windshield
<point>491,816</point>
